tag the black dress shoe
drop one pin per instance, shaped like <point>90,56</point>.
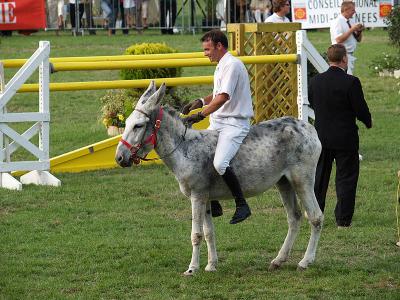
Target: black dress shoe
<point>241,214</point>
<point>216,209</point>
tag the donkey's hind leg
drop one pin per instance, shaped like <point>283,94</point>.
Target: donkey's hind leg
<point>209,235</point>
<point>304,187</point>
<point>293,211</point>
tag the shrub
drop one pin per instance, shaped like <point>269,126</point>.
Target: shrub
<point>149,48</point>
<point>393,22</point>
<point>385,61</point>
<point>311,70</point>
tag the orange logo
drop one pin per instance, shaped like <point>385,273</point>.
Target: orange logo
<point>384,9</point>
<point>300,13</point>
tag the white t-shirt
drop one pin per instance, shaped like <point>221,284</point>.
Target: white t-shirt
<point>231,77</point>
<point>274,18</point>
<point>340,26</point>
<point>129,3</point>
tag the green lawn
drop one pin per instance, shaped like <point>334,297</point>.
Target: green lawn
<point>125,233</point>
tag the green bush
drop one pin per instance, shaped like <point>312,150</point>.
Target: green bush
<point>385,61</point>
<point>150,48</point>
<point>393,22</point>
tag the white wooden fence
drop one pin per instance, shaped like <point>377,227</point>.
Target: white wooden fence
<point>306,51</point>
<point>11,140</point>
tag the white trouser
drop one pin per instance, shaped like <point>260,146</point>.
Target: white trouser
<point>231,131</point>
<point>257,15</point>
<point>350,64</point>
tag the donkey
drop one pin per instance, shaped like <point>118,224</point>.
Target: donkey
<point>282,152</point>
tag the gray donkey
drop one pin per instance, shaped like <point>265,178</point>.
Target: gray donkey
<point>283,151</point>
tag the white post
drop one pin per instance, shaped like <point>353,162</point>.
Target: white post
<point>6,180</point>
<point>38,174</point>
<point>302,85</point>
<point>41,177</point>
<point>307,52</point>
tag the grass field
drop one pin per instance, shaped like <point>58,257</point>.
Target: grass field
<point>125,233</point>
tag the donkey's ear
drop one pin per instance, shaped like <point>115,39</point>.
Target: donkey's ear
<point>148,93</point>
<point>160,93</point>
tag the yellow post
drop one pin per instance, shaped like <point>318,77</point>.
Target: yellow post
<point>17,63</point>
<point>162,63</point>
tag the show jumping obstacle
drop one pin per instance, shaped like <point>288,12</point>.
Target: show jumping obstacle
<point>279,87</point>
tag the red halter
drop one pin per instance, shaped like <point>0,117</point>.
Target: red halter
<point>152,139</point>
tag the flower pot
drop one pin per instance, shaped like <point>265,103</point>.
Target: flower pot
<point>121,130</point>
<point>396,74</point>
<point>385,73</point>
<point>112,130</point>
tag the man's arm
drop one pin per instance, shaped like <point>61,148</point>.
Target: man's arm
<point>207,99</point>
<point>214,104</point>
<point>359,104</point>
<point>343,37</point>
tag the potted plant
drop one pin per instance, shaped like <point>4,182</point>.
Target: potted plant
<point>117,106</point>
<point>386,64</point>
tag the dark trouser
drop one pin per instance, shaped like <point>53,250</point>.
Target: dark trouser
<point>347,171</point>
<point>88,8</point>
<point>167,7</point>
<point>116,7</point>
<point>72,14</point>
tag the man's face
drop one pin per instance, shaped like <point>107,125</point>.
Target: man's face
<point>286,8</point>
<point>213,52</point>
<point>349,12</point>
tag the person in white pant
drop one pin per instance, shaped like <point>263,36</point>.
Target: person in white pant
<point>261,9</point>
<point>230,109</point>
<point>344,31</point>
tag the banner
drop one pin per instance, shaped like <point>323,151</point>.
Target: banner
<point>22,14</point>
<point>320,13</point>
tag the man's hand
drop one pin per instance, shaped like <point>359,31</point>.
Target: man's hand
<point>189,121</point>
<point>357,27</point>
<point>198,103</point>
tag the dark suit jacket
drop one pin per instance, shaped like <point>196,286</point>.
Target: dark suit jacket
<point>337,99</point>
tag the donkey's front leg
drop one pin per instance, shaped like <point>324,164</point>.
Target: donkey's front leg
<point>198,213</point>
<point>209,235</point>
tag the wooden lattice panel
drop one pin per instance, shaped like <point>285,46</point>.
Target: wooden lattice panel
<point>273,86</point>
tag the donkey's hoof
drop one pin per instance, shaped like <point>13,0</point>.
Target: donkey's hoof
<point>189,272</point>
<point>273,266</point>
<point>301,268</point>
<point>210,268</point>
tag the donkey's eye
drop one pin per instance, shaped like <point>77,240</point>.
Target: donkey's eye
<point>138,126</point>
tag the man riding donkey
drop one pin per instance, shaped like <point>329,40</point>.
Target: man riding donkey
<point>230,109</point>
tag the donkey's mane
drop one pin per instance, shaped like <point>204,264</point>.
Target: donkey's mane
<point>172,112</point>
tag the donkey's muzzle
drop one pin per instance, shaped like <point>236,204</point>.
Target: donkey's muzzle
<point>121,161</point>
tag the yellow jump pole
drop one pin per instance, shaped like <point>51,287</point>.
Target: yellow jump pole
<point>17,63</point>
<point>117,84</point>
<point>168,63</point>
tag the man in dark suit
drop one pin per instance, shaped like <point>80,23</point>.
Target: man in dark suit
<point>338,100</point>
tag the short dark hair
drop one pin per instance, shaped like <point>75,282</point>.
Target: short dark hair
<point>278,4</point>
<point>346,5</point>
<point>216,36</point>
<point>336,53</point>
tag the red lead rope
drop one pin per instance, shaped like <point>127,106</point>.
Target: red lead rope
<point>152,139</point>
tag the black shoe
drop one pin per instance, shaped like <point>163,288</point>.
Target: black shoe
<point>241,214</point>
<point>216,209</point>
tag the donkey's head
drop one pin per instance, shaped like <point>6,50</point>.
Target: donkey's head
<point>141,128</point>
